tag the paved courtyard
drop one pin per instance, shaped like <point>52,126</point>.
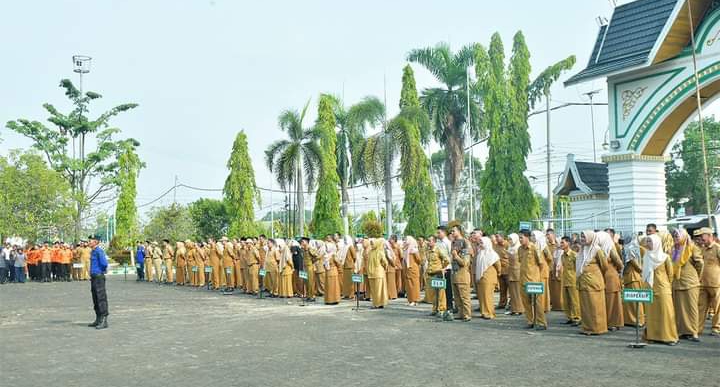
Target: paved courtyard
<point>170,336</point>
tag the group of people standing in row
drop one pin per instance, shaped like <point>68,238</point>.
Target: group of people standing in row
<point>47,262</point>
<point>582,275</point>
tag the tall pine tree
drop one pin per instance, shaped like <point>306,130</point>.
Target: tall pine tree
<point>129,166</point>
<point>326,214</point>
<point>507,197</point>
<point>420,205</point>
<point>240,191</point>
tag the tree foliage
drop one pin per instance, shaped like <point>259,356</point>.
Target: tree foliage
<point>296,161</point>
<point>439,173</point>
<point>172,222</point>
<point>127,227</point>
<point>89,174</point>
<point>210,217</point>
<point>507,196</point>
<point>326,214</point>
<point>35,201</point>
<point>420,203</point>
<point>448,105</point>
<point>240,191</point>
<point>685,171</point>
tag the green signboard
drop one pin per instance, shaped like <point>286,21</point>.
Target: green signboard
<point>437,283</point>
<point>262,272</point>
<point>228,270</point>
<point>303,274</point>
<point>525,226</point>
<point>194,269</point>
<point>534,287</point>
<point>357,278</point>
<point>644,296</point>
<point>208,269</point>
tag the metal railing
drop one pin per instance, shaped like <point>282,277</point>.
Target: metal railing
<point>620,218</point>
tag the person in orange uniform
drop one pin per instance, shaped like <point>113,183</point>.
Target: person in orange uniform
<point>347,262</point>
<point>56,259</point>
<point>272,271</point>
<point>657,272</point>
<point>181,262</point>
<point>555,282</point>
<point>399,267</point>
<point>487,269</point>
<point>500,247</point>
<point>514,279</point>
<point>411,263</point>
<point>392,290</point>
<point>252,265</point>
<point>46,263</point>
<point>633,313</point>
<point>687,269</point>
<point>376,271</point>
<point>284,257</point>
<point>168,255</point>
<point>214,259</point>
<point>332,280</point>
<point>531,266</point>
<point>76,264</point>
<point>709,282</point>
<point>460,254</point>
<point>228,263</point>
<point>590,267</point>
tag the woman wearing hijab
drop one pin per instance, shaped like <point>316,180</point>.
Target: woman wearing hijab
<point>589,268</point>
<point>412,261</point>
<point>541,243</point>
<point>332,278</point>
<point>347,262</point>
<point>376,266</point>
<point>487,268</point>
<point>657,272</point>
<point>515,286</point>
<point>613,298</point>
<point>390,271</point>
<point>180,261</point>
<point>272,271</point>
<point>284,257</point>
<point>687,269</point>
<point>632,279</point>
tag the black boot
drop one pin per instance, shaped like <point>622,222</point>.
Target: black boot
<point>103,323</point>
<point>95,324</point>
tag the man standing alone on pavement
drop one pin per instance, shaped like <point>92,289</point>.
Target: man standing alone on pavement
<point>98,267</point>
<point>140,261</point>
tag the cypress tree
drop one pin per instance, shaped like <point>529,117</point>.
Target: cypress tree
<point>420,204</point>
<point>129,165</point>
<point>240,191</point>
<point>326,214</point>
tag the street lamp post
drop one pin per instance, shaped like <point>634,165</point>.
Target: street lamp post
<point>590,95</point>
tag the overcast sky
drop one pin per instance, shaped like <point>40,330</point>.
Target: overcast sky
<point>202,70</point>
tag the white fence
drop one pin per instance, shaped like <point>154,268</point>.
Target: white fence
<point>619,218</point>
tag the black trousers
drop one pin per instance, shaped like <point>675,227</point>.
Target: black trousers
<point>140,269</point>
<point>448,290</point>
<point>99,296</point>
<point>45,270</point>
<point>11,269</point>
<point>3,274</point>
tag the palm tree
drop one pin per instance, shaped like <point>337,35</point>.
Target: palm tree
<point>351,125</point>
<point>400,136</point>
<point>296,160</point>
<point>447,106</point>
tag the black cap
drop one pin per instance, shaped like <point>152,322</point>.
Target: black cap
<point>94,237</point>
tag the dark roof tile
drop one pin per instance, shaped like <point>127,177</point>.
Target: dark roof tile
<point>593,175</point>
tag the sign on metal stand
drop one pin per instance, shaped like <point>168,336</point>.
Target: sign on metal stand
<point>228,290</point>
<point>303,276</point>
<point>261,273</point>
<point>208,270</point>
<point>357,279</point>
<point>638,296</point>
<point>437,284</point>
<point>534,289</point>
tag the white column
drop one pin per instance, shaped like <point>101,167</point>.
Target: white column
<point>637,191</point>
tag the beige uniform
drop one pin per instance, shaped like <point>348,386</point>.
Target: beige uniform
<point>710,288</point>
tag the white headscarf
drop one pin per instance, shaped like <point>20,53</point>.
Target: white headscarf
<point>632,251</point>
<point>281,248</point>
<point>411,247</point>
<point>330,250</point>
<point>588,252</point>
<point>540,242</point>
<point>484,258</point>
<point>653,259</point>
<point>389,253</point>
<point>360,251</point>
<point>343,247</point>
<point>606,242</point>
<point>514,244</point>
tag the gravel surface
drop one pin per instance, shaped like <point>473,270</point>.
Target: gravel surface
<point>177,336</point>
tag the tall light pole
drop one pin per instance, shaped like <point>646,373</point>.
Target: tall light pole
<point>81,65</point>
<point>551,204</point>
<point>590,95</point>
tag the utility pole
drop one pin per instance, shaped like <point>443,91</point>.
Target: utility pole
<point>388,169</point>
<point>549,182</point>
<point>175,190</point>
<point>272,215</point>
<point>590,95</point>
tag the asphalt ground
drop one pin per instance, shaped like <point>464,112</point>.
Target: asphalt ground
<point>164,335</point>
